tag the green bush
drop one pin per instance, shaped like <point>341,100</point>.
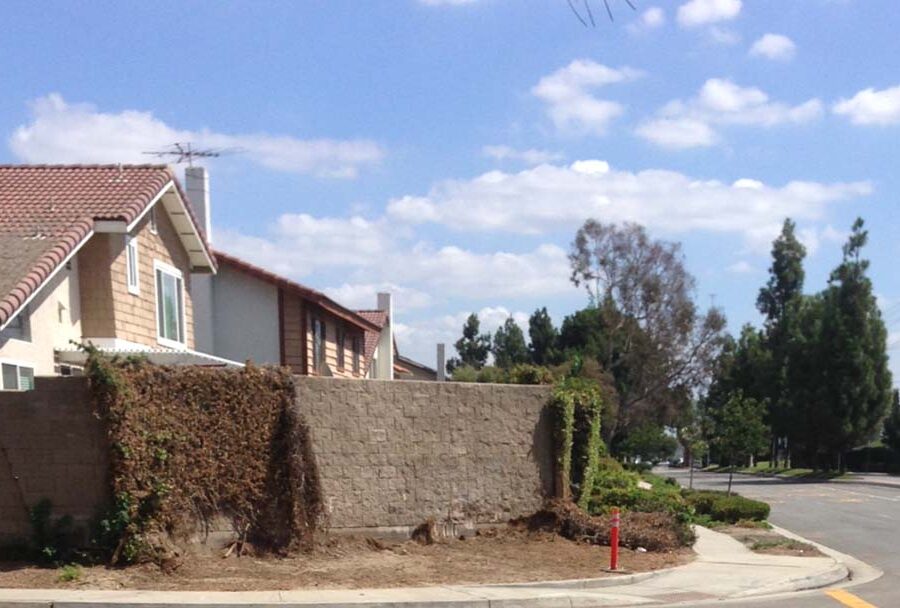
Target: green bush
<point>491,375</point>
<point>719,506</point>
<point>610,479</point>
<point>638,467</point>
<point>609,463</point>
<point>465,373</point>
<point>525,373</point>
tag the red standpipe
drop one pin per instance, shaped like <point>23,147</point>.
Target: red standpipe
<point>614,541</point>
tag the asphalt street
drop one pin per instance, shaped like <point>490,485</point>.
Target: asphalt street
<point>858,519</point>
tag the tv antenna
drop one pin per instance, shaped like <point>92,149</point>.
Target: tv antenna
<point>184,152</point>
<point>589,14</point>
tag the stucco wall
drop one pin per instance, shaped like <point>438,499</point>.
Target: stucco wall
<point>393,454</point>
<point>54,319</point>
<point>245,317</point>
<point>51,446</point>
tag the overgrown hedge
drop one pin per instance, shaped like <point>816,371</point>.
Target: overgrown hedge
<point>188,444</point>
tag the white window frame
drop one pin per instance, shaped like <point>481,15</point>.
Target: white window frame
<point>133,280</point>
<point>19,365</point>
<point>170,270</point>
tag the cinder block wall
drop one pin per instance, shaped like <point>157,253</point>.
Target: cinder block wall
<point>51,446</point>
<point>392,454</point>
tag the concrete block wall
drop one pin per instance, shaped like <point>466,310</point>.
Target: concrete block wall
<point>51,446</point>
<point>393,454</point>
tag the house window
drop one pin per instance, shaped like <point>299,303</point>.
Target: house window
<point>154,226</point>
<point>169,305</point>
<point>131,258</point>
<point>340,347</point>
<point>16,377</point>
<point>356,350</point>
<point>318,344</point>
<point>20,327</point>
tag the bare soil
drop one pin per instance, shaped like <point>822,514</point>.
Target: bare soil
<point>760,540</point>
<point>496,556</point>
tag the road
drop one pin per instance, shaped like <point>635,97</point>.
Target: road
<point>857,519</point>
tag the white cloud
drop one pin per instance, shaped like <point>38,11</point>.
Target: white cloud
<point>871,107</point>
<point>530,156</point>
<point>571,105</point>
<point>720,102</point>
<point>742,267</point>
<point>60,132</point>
<point>550,198</point>
<point>363,296</point>
<point>775,47</point>
<point>697,13</point>
<point>723,36</point>
<point>651,19</point>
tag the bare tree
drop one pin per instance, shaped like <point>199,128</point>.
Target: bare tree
<point>655,336</point>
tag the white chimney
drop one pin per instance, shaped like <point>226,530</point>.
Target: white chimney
<point>385,361</point>
<point>196,182</point>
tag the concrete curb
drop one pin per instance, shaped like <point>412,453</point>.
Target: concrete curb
<point>584,583</point>
<point>824,578</point>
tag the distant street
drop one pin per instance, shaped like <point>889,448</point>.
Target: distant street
<point>854,518</point>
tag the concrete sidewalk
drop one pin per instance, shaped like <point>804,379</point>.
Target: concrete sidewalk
<point>724,568</point>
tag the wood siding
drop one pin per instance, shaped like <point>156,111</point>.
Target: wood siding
<point>108,309</point>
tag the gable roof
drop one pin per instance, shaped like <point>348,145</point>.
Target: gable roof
<point>379,319</point>
<point>307,293</point>
<point>47,212</point>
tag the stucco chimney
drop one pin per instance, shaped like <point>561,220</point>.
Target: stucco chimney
<point>386,342</point>
<point>196,182</point>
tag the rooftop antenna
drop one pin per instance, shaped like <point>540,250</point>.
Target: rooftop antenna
<point>590,14</point>
<point>184,152</point>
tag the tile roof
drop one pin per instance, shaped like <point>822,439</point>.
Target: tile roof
<point>307,293</point>
<point>377,318</point>
<point>47,211</point>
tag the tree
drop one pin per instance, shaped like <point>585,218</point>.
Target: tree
<point>779,301</point>
<point>891,433</point>
<point>509,345</point>
<point>473,347</point>
<point>648,442</point>
<point>543,338</point>
<point>855,376</point>
<point>739,430</point>
<point>648,323</point>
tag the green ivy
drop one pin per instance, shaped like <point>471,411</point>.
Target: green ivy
<point>577,404</point>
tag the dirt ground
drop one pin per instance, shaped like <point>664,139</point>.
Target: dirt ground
<point>770,542</point>
<point>498,556</point>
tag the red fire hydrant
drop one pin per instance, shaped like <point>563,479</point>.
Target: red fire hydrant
<point>614,541</point>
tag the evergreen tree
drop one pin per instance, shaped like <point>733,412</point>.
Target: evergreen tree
<point>891,434</point>
<point>509,345</point>
<point>855,372</point>
<point>779,301</point>
<point>739,430</point>
<point>473,347</point>
<point>543,336</point>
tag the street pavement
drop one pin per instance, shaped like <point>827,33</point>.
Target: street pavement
<point>854,517</point>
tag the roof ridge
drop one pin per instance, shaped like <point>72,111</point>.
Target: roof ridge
<point>83,166</point>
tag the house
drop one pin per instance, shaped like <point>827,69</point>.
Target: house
<point>95,253</point>
<point>258,315</point>
<point>245,312</point>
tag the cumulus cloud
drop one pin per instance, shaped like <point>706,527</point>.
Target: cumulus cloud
<point>362,296</point>
<point>571,103</point>
<point>651,19</point>
<point>742,267</point>
<point>775,47</point>
<point>550,198</point>
<point>871,107</point>
<point>62,132</point>
<point>696,13</point>
<point>720,102</point>
<point>530,156</point>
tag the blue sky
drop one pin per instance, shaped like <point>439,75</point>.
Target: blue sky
<point>449,149</point>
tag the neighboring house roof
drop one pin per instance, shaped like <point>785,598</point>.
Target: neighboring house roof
<point>47,212</point>
<point>410,363</point>
<point>379,319</point>
<point>307,293</point>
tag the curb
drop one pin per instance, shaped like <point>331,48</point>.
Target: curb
<point>825,578</point>
<point>581,583</point>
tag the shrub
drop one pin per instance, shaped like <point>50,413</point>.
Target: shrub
<point>69,573</point>
<point>608,479</point>
<point>465,373</point>
<point>608,463</point>
<point>638,467</point>
<point>719,506</point>
<point>525,373</point>
<point>577,404</point>
<point>491,375</point>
